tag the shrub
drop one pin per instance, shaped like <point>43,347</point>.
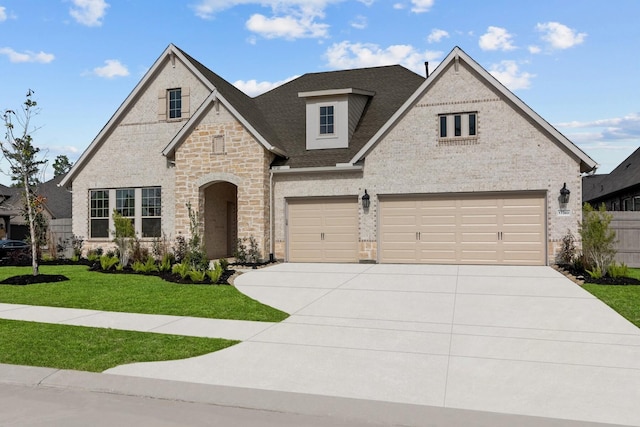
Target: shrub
<point>160,246</point>
<point>145,267</point>
<point>197,275</point>
<point>76,243</point>
<point>240,253</point>
<point>180,248</point>
<point>568,251</point>
<point>182,269</point>
<point>138,252</point>
<point>596,273</point>
<point>215,274</point>
<point>616,270</point>
<point>123,236</point>
<point>253,255</point>
<point>597,238</point>
<point>94,255</point>
<point>107,262</point>
<point>165,263</point>
<point>224,264</point>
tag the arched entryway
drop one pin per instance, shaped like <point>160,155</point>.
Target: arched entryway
<point>220,219</point>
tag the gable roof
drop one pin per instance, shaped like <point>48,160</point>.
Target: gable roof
<point>625,175</point>
<point>286,113</point>
<point>586,163</point>
<point>58,199</point>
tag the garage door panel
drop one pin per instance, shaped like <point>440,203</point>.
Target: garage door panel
<point>323,230</point>
<point>470,229</point>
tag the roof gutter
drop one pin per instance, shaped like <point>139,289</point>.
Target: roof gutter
<point>323,169</point>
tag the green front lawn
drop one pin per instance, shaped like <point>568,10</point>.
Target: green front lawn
<point>93,349</point>
<point>623,299</point>
<point>134,293</point>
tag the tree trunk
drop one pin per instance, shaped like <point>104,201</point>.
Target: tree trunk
<point>32,227</point>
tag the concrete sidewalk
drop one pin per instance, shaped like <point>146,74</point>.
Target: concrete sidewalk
<point>511,340</point>
<point>177,325</point>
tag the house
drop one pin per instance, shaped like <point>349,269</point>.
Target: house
<point>618,190</point>
<point>366,165</point>
<point>57,210</point>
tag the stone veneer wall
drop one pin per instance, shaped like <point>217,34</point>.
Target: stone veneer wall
<point>510,153</point>
<point>244,163</point>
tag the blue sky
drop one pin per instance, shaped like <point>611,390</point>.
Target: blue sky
<point>572,61</point>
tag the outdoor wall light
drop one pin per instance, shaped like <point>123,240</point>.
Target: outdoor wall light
<point>564,194</point>
<point>366,202</point>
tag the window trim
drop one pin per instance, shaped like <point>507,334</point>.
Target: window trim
<point>327,115</point>
<point>94,211</point>
<point>137,219</point>
<point>464,125</point>
<point>174,112</point>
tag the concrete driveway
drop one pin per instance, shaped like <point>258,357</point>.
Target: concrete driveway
<point>520,340</point>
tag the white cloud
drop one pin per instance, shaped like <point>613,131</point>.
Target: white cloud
<point>359,23</point>
<point>290,19</point>
<point>619,128</point>
<point>367,2</point>
<point>534,49</point>
<point>398,6</point>
<point>27,56</point>
<point>288,27</point>
<point>255,88</point>
<point>347,55</point>
<point>560,36</point>
<point>3,13</point>
<point>421,6</point>
<point>496,38</point>
<point>436,35</point>
<point>112,69</point>
<point>89,12</point>
<point>508,73</point>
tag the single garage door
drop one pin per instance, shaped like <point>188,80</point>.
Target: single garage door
<point>323,230</point>
<point>492,229</point>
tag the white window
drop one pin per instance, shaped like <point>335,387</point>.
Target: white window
<point>326,120</point>
<point>458,125</point>
<point>99,213</point>
<point>143,206</point>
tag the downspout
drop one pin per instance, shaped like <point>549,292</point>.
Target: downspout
<point>271,242</point>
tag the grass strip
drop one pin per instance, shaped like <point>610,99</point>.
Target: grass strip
<point>134,293</point>
<point>94,349</point>
<point>623,299</point>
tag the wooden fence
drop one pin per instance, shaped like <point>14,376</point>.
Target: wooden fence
<point>627,228</point>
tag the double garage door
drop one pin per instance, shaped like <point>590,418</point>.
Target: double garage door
<point>492,229</point>
<point>463,230</point>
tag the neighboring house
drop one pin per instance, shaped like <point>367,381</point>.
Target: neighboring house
<point>8,210</point>
<point>57,210</point>
<point>618,190</point>
<point>375,164</point>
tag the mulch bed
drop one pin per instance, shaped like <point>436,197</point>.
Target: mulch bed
<point>30,279</point>
<point>168,276</point>
<point>606,280</point>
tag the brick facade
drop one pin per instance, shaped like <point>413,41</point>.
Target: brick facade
<point>510,153</point>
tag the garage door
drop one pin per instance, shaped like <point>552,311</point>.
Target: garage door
<point>323,230</point>
<point>466,230</point>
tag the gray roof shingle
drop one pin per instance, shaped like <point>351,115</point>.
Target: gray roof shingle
<point>280,115</point>
<point>625,175</point>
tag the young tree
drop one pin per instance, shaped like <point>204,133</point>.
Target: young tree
<point>18,150</point>
<point>61,165</point>
<point>598,239</point>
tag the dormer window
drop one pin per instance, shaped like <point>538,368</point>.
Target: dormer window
<point>326,120</point>
<point>333,116</point>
